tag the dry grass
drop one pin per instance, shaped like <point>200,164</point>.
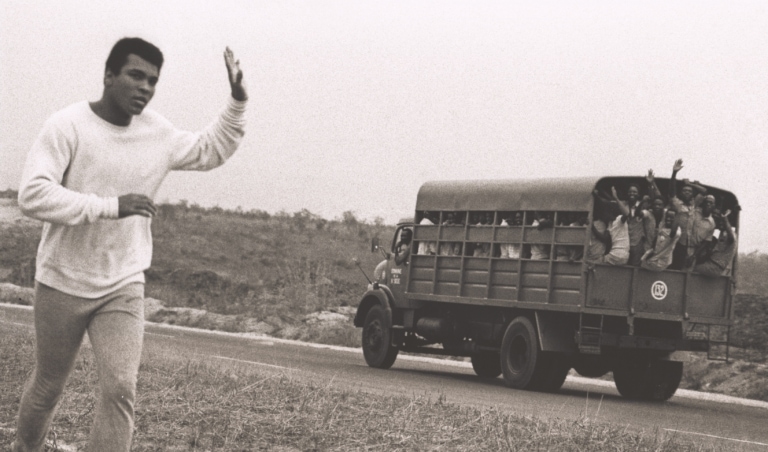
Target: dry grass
<point>187,404</point>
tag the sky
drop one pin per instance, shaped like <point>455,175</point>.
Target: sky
<point>355,104</point>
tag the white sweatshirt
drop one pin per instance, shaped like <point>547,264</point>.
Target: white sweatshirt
<point>77,168</point>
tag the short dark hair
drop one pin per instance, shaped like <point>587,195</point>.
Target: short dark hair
<point>637,186</point>
<point>137,46</point>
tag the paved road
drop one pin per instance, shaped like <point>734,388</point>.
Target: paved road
<point>727,420</point>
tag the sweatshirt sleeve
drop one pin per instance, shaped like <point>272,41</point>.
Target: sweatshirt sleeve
<point>41,193</point>
<point>211,147</point>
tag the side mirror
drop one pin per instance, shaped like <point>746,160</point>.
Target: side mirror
<point>374,244</point>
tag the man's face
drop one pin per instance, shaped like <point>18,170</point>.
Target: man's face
<point>633,194</point>
<point>658,206</point>
<point>406,236</point>
<point>686,194</point>
<point>133,88</point>
<point>669,219</point>
<point>719,222</point>
<point>706,206</point>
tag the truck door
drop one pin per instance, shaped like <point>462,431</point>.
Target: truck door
<point>397,269</point>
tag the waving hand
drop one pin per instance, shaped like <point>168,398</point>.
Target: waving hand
<point>235,76</point>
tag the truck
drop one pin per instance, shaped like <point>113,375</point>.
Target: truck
<point>476,285</point>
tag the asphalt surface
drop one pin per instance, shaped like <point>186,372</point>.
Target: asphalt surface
<point>704,418</point>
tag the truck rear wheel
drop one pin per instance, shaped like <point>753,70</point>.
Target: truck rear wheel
<point>648,380</point>
<point>521,361</point>
<point>377,340</point>
<point>554,370</point>
<point>663,379</point>
<point>592,366</point>
<point>487,364</point>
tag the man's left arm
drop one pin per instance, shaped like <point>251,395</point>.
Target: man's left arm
<point>212,146</point>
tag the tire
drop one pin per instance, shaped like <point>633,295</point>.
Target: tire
<point>487,364</point>
<point>377,340</point>
<point>663,379</point>
<point>520,356</point>
<point>628,376</point>
<point>591,366</point>
<point>648,380</point>
<point>554,370</point>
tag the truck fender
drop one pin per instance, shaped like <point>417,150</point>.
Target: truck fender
<point>370,299</point>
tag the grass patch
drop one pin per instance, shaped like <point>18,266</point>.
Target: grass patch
<point>187,404</point>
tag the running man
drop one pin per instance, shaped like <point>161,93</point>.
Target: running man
<point>91,177</point>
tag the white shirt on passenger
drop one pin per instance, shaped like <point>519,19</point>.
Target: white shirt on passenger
<point>427,247</point>
<point>539,252</point>
<point>509,250</point>
<point>619,253</point>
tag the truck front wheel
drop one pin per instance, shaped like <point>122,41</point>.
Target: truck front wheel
<point>377,340</point>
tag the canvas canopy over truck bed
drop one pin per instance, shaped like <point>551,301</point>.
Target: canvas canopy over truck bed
<point>532,319</point>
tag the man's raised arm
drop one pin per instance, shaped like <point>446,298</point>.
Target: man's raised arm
<point>212,146</point>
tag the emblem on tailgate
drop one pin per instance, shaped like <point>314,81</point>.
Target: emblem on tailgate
<point>659,290</point>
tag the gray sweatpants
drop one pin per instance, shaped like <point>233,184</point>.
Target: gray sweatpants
<point>115,325</point>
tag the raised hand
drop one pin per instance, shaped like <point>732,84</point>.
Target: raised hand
<point>133,204</point>
<point>678,165</point>
<point>235,76</point>
<point>649,177</point>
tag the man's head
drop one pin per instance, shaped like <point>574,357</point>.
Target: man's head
<point>686,193</point>
<point>406,236</point>
<point>136,46</point>
<point>633,193</point>
<point>131,73</point>
<point>707,205</point>
<point>719,219</point>
<point>669,218</point>
<point>657,206</point>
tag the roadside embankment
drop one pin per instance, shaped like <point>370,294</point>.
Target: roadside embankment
<point>312,327</point>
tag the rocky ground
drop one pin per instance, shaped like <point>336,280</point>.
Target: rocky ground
<point>308,327</point>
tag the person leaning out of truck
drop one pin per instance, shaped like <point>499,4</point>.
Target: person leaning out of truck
<point>714,257</point>
<point>702,226</point>
<point>403,247</point>
<point>666,237</point>
<point>618,253</point>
